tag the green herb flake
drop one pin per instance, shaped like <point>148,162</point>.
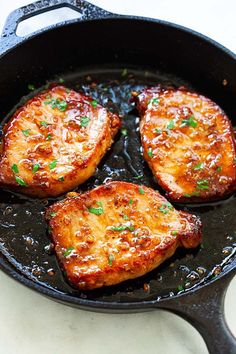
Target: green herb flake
<point>124,132</point>
<point>43,123</point>
<point>138,177</point>
<point>35,167</point>
<point>26,132</point>
<point>61,105</point>
<point>190,122</point>
<point>150,153</point>
<point>61,80</point>
<point>124,72</point>
<point>180,288</point>
<point>15,168</point>
<point>194,194</point>
<point>171,124</point>
<point>49,137</point>
<point>141,191</point>
<point>125,217</point>
<point>84,121</point>
<point>153,101</point>
<point>131,202</point>
<point>97,211</point>
<point>61,179</point>
<point>157,130</point>
<point>165,208</point>
<point>53,164</point>
<point>219,169</point>
<point>119,228</point>
<point>68,252</point>
<point>203,184</point>
<point>198,167</point>
<point>123,228</point>
<point>52,214</point>
<point>94,103</point>
<point>20,181</point>
<point>174,233</point>
<point>110,259</point>
<point>31,87</point>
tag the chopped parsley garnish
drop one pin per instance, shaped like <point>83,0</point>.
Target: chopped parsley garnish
<point>61,80</point>
<point>68,251</point>
<point>203,184</point>
<point>52,214</point>
<point>131,202</point>
<point>110,259</point>
<point>138,177</point>
<point>141,191</point>
<point>49,137</point>
<point>180,288</point>
<point>153,101</point>
<point>174,233</point>
<point>20,181</point>
<point>94,103</point>
<point>31,87</point>
<point>219,169</point>
<point>123,227</point>
<point>43,123</point>
<point>97,211</point>
<point>35,167</point>
<point>171,124</point>
<point>124,132</point>
<point>194,194</point>
<point>149,152</point>
<point>190,122</point>
<point>84,121</point>
<point>165,208</point>
<point>125,217</point>
<point>157,130</point>
<point>199,166</point>
<point>26,132</point>
<point>61,179</point>
<point>124,72</point>
<point>53,164</point>
<point>15,168</point>
<point>57,103</point>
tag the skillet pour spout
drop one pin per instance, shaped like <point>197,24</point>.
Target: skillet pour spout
<point>211,64</point>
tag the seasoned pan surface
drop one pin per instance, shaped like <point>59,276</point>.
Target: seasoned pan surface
<point>25,242</point>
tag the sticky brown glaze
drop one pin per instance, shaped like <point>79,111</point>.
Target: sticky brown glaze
<point>54,142</point>
<point>117,231</point>
<point>188,143</point>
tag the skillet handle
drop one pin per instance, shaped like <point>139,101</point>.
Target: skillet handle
<point>204,309</point>
<point>9,37</point>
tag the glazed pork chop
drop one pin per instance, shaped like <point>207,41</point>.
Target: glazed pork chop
<point>54,142</point>
<point>116,232</point>
<point>188,143</point>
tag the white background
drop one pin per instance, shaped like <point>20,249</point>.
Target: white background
<point>32,324</point>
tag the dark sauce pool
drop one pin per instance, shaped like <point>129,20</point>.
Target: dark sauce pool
<point>23,237</point>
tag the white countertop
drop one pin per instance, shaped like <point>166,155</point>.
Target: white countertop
<point>32,324</point>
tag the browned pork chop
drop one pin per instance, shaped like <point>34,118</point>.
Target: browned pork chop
<point>54,142</point>
<point>116,232</point>
<point>188,143</point>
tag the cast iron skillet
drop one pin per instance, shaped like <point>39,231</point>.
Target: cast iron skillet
<point>121,54</point>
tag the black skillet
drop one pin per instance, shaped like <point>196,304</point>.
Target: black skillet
<point>108,56</point>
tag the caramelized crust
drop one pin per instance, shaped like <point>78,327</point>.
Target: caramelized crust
<point>188,143</point>
<point>54,142</point>
<point>116,232</point>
